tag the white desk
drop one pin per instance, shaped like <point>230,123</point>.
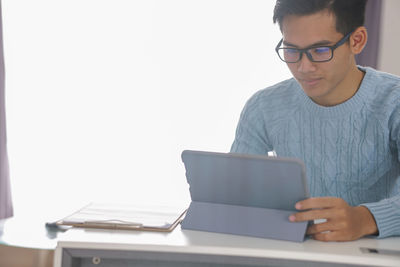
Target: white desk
<point>78,247</point>
<point>26,242</point>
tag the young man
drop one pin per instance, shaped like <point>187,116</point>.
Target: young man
<point>341,119</point>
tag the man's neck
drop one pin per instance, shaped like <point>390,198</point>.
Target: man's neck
<point>345,90</point>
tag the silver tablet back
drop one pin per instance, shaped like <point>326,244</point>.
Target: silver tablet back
<point>245,180</point>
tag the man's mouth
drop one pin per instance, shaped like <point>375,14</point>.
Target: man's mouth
<point>310,82</point>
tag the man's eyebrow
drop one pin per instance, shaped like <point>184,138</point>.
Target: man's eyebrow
<point>319,43</point>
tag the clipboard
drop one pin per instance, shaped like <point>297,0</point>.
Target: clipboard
<point>243,194</point>
<point>125,217</point>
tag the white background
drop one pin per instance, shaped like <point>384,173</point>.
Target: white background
<point>102,96</point>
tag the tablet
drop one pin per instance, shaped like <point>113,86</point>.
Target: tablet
<point>245,180</point>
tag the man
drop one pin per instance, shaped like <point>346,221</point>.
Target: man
<point>341,119</point>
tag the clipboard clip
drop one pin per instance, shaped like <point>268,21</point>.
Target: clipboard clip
<point>112,224</point>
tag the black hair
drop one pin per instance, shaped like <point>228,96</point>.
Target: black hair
<point>349,13</point>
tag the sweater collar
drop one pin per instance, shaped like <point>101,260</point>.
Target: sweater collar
<point>351,105</point>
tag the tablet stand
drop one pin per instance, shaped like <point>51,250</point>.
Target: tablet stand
<point>242,220</point>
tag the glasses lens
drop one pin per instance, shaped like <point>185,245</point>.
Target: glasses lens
<point>320,53</point>
<point>289,54</point>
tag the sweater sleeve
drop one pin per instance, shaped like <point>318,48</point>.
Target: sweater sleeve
<point>387,211</point>
<point>387,215</point>
<point>251,136</point>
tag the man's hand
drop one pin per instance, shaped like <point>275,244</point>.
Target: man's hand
<point>343,222</point>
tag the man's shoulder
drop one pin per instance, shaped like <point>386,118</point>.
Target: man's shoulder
<point>384,75</point>
<point>276,94</point>
<point>383,87</point>
<point>271,105</point>
<point>382,79</point>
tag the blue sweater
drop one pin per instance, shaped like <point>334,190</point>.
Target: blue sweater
<point>350,150</point>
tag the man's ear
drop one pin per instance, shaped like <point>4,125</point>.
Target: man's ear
<point>358,40</point>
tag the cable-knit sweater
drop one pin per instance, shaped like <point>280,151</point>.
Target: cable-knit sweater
<point>350,150</point>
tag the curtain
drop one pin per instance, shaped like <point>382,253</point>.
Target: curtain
<point>6,209</point>
<point>369,56</point>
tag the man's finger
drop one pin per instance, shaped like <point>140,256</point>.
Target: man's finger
<point>319,203</point>
<point>333,236</point>
<point>311,215</point>
<point>322,227</point>
<point>328,236</point>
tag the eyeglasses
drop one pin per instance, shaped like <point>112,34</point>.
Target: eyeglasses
<point>314,53</point>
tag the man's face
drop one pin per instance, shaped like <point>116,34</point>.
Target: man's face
<point>324,82</point>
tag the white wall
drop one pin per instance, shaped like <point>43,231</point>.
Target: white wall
<point>389,56</point>
<point>103,95</point>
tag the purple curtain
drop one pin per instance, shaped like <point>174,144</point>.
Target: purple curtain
<point>369,56</point>
<point>6,209</point>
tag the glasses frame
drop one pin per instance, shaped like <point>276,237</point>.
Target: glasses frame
<point>306,50</point>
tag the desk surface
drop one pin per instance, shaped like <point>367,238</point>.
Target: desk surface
<point>27,233</point>
<point>197,242</point>
<point>16,232</point>
<point>26,242</point>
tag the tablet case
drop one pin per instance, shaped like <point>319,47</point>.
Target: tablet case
<point>244,194</point>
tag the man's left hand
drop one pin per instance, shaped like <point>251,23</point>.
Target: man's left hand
<point>343,222</point>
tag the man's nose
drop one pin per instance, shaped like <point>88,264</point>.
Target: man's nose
<point>305,65</point>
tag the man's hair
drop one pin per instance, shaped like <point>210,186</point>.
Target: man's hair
<point>349,13</point>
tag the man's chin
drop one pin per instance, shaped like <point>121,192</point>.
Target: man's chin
<point>312,91</point>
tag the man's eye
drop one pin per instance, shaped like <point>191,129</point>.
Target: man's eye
<point>291,51</point>
<point>320,50</point>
